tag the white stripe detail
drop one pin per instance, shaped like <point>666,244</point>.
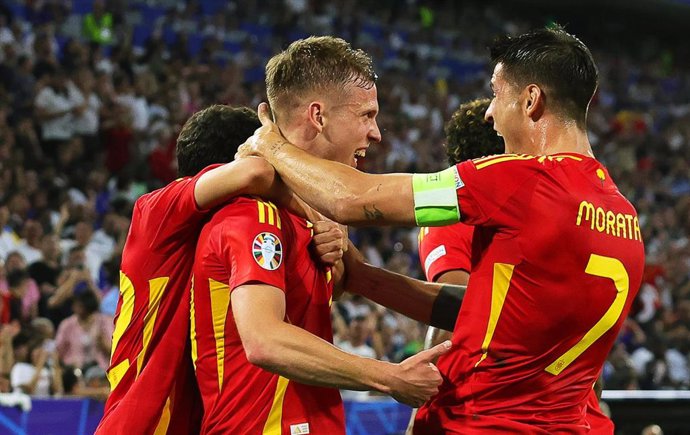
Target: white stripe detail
<point>434,255</point>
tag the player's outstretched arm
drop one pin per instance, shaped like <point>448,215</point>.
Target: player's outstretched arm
<point>296,354</point>
<point>252,176</point>
<point>336,190</point>
<point>435,304</point>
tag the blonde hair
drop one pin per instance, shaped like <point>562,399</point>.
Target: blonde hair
<point>317,64</point>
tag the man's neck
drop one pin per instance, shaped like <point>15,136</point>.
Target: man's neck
<point>554,137</point>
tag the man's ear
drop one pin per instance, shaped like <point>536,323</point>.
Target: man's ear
<point>315,113</point>
<point>535,102</point>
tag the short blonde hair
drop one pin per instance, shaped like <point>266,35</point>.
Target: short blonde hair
<point>315,64</point>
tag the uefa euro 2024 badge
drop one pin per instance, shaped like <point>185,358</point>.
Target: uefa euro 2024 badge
<point>268,251</point>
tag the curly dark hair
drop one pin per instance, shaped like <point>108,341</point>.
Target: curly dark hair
<point>469,135</point>
<point>213,135</point>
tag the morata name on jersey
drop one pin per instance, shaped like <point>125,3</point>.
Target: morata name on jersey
<point>621,225</point>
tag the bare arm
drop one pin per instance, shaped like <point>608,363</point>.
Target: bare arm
<point>241,177</point>
<point>296,354</point>
<point>430,303</point>
<point>338,191</point>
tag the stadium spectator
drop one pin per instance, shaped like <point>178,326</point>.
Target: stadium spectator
<point>98,24</point>
<point>84,338</point>
<point>28,295</point>
<point>36,372</point>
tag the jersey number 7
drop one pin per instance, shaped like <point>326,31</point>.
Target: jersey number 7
<point>598,265</point>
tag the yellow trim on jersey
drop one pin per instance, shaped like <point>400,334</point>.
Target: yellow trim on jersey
<point>558,158</point>
<point>505,158</point>
<point>192,326</point>
<point>268,213</point>
<point>156,288</point>
<point>164,422</point>
<point>423,231</point>
<point>491,157</point>
<point>116,373</point>
<point>503,273</point>
<point>275,415</point>
<point>220,303</point>
<point>126,310</point>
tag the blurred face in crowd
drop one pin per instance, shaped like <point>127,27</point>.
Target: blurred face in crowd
<point>360,329</point>
<point>14,261</point>
<point>33,231</point>
<point>79,309</point>
<point>82,233</point>
<point>348,125</point>
<point>50,246</point>
<point>505,111</point>
<point>44,327</point>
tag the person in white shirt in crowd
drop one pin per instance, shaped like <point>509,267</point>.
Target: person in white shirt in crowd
<point>8,238</point>
<point>358,333</point>
<point>96,249</point>
<point>57,104</point>
<point>87,123</point>
<point>36,372</point>
<point>30,244</point>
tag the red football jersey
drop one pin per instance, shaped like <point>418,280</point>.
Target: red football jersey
<point>251,241</point>
<point>557,261</point>
<point>442,249</point>
<point>599,423</point>
<point>152,383</point>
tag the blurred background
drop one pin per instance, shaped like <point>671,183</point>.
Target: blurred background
<point>94,93</point>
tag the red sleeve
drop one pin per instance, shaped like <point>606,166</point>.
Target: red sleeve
<point>493,191</point>
<point>254,250</point>
<point>442,249</point>
<point>170,213</point>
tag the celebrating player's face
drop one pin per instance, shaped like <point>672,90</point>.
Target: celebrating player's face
<point>352,126</point>
<point>504,110</point>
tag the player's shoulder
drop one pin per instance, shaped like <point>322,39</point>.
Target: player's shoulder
<point>248,210</point>
<point>168,191</point>
<point>525,160</point>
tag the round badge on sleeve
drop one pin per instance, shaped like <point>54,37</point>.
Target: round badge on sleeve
<point>268,251</point>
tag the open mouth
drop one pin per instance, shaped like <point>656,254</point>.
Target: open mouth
<point>360,154</point>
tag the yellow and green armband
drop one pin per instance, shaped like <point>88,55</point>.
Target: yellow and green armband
<point>435,197</point>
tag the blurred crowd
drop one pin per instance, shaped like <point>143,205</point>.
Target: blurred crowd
<point>93,94</point>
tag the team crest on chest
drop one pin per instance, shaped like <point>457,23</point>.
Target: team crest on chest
<point>268,251</point>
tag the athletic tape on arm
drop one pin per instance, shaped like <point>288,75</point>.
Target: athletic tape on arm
<point>435,197</point>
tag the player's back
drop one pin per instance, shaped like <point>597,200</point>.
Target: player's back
<point>250,241</point>
<point>557,261</point>
<point>151,378</point>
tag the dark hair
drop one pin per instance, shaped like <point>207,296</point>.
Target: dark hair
<point>16,277</point>
<point>88,300</point>
<point>559,63</point>
<point>315,64</point>
<point>469,135</point>
<point>212,136</point>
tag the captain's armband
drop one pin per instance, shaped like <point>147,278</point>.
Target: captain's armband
<point>435,197</point>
